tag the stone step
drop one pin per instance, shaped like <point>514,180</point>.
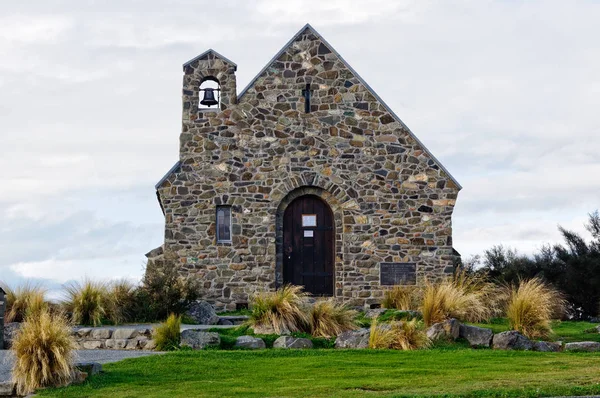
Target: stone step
<point>234,319</point>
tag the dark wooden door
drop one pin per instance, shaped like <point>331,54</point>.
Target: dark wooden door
<point>308,245</point>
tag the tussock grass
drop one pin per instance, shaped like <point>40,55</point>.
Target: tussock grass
<point>398,335</point>
<point>167,335</point>
<point>87,302</point>
<point>465,297</point>
<point>403,298</point>
<point>327,318</point>
<point>43,350</point>
<point>23,300</point>
<point>531,305</point>
<point>120,300</point>
<point>282,310</point>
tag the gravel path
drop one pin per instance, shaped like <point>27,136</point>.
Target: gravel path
<point>101,356</point>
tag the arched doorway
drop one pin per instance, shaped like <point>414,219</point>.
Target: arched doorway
<point>308,245</point>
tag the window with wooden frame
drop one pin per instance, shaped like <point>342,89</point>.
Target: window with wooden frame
<point>223,224</point>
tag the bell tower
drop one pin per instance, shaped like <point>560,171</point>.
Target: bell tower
<point>209,87</point>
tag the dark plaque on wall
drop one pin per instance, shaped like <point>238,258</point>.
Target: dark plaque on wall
<point>398,273</point>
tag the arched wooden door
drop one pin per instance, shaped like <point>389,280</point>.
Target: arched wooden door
<point>308,245</point>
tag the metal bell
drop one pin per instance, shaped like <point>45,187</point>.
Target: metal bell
<point>209,97</point>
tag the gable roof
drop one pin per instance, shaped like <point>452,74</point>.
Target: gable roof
<point>213,52</point>
<point>360,79</point>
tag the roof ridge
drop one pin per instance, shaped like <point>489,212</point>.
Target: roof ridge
<point>218,55</point>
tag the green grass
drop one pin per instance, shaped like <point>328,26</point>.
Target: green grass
<point>341,373</point>
<point>566,331</point>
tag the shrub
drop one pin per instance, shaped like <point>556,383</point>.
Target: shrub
<point>530,307</point>
<point>43,351</point>
<point>398,335</point>
<point>121,301</point>
<point>328,319</point>
<point>167,335</point>
<point>24,300</point>
<point>401,298</point>
<point>466,297</point>
<point>282,310</point>
<point>164,291</point>
<point>87,302</point>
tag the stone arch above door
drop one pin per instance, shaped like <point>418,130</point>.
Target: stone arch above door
<point>336,207</point>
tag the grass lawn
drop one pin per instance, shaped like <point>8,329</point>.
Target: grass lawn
<point>342,373</point>
<point>565,331</point>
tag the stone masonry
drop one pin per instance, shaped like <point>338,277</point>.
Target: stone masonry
<point>392,201</point>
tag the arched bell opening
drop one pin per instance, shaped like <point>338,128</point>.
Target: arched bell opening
<point>209,93</point>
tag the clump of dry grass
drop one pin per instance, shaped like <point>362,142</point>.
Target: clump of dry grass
<point>87,302</point>
<point>403,298</point>
<point>43,351</point>
<point>398,335</point>
<point>465,297</point>
<point>167,335</point>
<point>120,299</point>
<point>531,305</point>
<point>282,310</point>
<point>326,318</point>
<point>25,299</point>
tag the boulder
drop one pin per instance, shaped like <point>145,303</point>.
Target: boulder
<point>268,329</point>
<point>150,345</point>
<point>448,330</point>
<point>7,389</point>
<point>115,344</point>
<point>598,328</point>
<point>101,333</point>
<point>199,340</point>
<point>124,333</point>
<point>253,343</point>
<point>292,342</point>
<point>511,340</point>
<point>91,368</point>
<point>92,344</point>
<point>353,339</point>
<point>588,346</point>
<point>547,346</point>
<point>83,332</point>
<point>477,337</point>
<point>225,322</point>
<point>10,330</point>
<point>203,313</point>
<point>374,312</point>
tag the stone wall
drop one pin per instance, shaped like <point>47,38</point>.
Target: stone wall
<point>392,202</point>
<point>2,311</point>
<point>113,338</point>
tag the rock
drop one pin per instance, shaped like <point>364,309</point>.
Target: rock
<point>91,368</point>
<point>79,377</point>
<point>203,313</point>
<point>595,320</point>
<point>224,322</point>
<point>124,333</point>
<point>511,340</point>
<point>115,344</point>
<point>353,339</point>
<point>547,346</point>
<point>10,330</point>
<point>477,337</point>
<point>253,343</point>
<point>598,328</point>
<point>101,333</point>
<point>199,340</point>
<point>150,345</point>
<point>83,332</point>
<point>374,312</point>
<point>587,346</point>
<point>7,389</point>
<point>92,344</point>
<point>268,329</point>
<point>292,342</point>
<point>449,329</point>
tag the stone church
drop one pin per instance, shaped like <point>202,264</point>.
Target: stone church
<point>305,177</point>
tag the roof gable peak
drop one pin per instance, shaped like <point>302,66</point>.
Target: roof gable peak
<point>206,54</point>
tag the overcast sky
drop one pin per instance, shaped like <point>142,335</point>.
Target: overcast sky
<point>505,93</point>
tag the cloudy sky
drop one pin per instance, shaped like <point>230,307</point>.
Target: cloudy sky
<point>505,93</point>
